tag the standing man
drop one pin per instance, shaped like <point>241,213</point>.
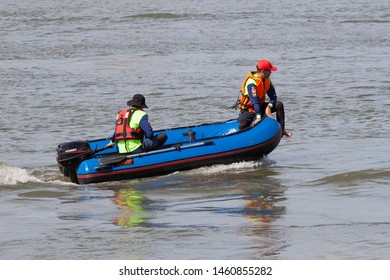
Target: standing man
<point>252,104</point>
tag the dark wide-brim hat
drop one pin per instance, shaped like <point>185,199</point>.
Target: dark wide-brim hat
<point>137,101</point>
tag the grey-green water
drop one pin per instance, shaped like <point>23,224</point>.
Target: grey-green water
<point>67,67</point>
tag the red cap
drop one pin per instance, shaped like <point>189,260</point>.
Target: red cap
<point>266,65</point>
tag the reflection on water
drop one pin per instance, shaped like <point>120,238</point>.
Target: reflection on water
<point>259,209</point>
<point>262,208</point>
<point>132,213</point>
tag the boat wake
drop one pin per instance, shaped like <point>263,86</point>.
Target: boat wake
<point>13,175</point>
<point>238,167</point>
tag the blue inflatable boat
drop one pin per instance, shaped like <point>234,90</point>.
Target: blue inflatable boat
<point>186,148</point>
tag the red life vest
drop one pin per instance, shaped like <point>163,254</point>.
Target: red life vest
<point>123,131</point>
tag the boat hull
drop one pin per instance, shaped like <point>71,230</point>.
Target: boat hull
<point>219,143</point>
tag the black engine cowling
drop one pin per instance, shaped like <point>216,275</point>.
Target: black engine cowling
<point>70,155</point>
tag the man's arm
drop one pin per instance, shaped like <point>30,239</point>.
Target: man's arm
<point>146,127</point>
<point>254,99</point>
<point>272,95</point>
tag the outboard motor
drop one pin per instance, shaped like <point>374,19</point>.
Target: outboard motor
<point>70,155</point>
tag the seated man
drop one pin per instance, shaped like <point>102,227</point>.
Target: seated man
<point>133,132</point>
<point>252,104</point>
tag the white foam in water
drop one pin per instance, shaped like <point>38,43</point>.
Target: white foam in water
<point>222,168</point>
<point>50,175</point>
<point>12,175</point>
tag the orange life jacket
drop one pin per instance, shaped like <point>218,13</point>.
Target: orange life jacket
<point>123,131</point>
<point>261,90</point>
